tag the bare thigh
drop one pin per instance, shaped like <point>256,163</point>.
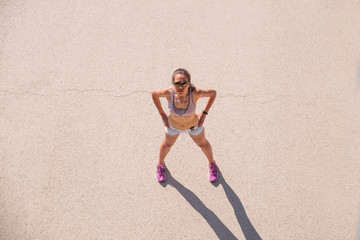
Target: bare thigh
<point>170,140</point>
<point>200,140</point>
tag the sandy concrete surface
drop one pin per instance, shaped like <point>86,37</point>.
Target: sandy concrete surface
<point>80,135</point>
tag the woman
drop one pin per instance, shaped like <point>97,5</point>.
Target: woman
<point>182,97</point>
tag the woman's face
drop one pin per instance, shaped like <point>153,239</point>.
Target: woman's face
<point>181,84</point>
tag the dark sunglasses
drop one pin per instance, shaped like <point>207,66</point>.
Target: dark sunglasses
<point>184,84</point>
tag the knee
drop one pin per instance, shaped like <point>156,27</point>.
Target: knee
<point>203,144</point>
<point>168,144</point>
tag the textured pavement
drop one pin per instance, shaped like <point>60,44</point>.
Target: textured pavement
<point>80,135</point>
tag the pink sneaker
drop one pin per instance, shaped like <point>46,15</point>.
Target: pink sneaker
<point>213,174</point>
<point>160,173</point>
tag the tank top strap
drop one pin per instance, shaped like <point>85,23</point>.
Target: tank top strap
<point>172,95</point>
<point>190,98</point>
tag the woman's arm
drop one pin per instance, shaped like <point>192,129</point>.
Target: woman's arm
<point>211,93</point>
<point>156,98</point>
<point>156,95</point>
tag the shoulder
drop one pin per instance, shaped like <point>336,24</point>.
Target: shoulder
<point>165,92</point>
<point>204,92</point>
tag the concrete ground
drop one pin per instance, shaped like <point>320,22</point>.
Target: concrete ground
<point>80,135</point>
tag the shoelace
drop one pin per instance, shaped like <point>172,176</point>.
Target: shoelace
<point>213,169</point>
<point>160,169</point>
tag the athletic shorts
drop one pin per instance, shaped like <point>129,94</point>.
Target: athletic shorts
<point>193,131</point>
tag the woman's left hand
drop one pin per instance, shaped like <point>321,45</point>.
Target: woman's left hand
<point>201,117</point>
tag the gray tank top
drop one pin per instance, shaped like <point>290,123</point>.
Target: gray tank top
<point>188,111</point>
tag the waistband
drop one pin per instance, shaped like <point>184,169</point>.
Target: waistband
<point>190,129</point>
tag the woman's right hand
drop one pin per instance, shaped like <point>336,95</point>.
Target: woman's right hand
<point>165,119</point>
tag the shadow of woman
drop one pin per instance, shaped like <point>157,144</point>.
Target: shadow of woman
<point>248,229</point>
<point>215,223</point>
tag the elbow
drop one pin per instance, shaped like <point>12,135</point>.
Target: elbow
<point>214,94</point>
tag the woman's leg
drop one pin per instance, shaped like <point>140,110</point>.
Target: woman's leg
<point>205,146</point>
<point>166,146</point>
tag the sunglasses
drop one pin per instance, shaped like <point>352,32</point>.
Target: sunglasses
<point>183,84</point>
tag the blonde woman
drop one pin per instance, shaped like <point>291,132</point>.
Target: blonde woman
<point>182,97</point>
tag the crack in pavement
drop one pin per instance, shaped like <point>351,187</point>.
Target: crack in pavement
<point>106,92</point>
<point>76,90</point>
<point>245,96</point>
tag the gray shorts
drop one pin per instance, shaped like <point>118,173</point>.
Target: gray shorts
<point>193,131</point>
